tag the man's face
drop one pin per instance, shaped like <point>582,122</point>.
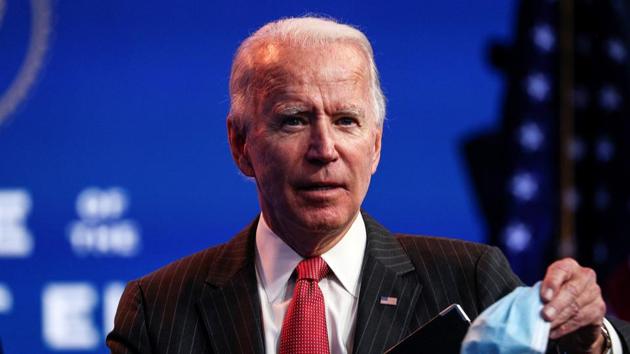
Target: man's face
<point>312,144</point>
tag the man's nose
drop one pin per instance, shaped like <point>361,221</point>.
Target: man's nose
<point>322,144</point>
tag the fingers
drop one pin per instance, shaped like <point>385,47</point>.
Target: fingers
<point>586,297</point>
<point>578,290</point>
<point>557,274</point>
<point>589,316</point>
<point>572,299</point>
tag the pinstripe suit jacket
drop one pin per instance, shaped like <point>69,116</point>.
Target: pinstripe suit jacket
<point>208,302</point>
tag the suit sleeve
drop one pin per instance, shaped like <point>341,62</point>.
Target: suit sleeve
<point>495,277</point>
<point>130,333</point>
<point>623,331</point>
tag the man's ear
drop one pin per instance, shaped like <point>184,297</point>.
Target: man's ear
<point>238,145</point>
<point>376,157</point>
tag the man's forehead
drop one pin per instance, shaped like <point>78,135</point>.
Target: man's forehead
<point>286,54</point>
<point>285,73</point>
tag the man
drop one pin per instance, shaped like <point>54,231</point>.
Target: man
<point>313,273</point>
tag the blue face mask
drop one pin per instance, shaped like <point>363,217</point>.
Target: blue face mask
<point>511,325</point>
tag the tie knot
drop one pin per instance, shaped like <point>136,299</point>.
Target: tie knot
<point>312,268</point>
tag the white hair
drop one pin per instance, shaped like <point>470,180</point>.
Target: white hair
<point>299,32</point>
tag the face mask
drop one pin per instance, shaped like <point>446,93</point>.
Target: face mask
<point>511,325</point>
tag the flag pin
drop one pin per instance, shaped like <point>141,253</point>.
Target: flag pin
<point>387,300</point>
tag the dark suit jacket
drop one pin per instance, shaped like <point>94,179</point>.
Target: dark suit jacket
<point>208,302</point>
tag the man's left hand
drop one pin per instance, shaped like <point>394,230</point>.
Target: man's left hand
<point>574,306</point>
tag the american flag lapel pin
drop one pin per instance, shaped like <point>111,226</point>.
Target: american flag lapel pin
<point>388,300</point>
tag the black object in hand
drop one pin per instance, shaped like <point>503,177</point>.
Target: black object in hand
<point>441,335</point>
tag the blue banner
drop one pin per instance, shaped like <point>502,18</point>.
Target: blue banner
<point>113,151</point>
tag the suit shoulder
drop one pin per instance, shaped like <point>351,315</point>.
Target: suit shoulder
<point>191,269</point>
<point>431,247</point>
<point>434,241</point>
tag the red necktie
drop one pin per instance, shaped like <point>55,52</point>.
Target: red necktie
<point>304,325</point>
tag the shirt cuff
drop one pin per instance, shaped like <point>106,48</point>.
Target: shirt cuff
<point>614,338</point>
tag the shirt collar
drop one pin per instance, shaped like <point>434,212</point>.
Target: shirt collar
<point>275,260</point>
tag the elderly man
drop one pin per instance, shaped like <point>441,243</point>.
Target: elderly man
<point>313,273</point>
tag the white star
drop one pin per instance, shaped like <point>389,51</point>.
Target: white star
<point>517,237</point>
<point>609,98</point>
<point>530,136</point>
<point>524,186</point>
<point>537,87</point>
<point>580,97</point>
<point>604,149</point>
<point>616,50</point>
<point>543,37</point>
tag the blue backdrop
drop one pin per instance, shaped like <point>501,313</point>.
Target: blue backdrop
<point>113,151</point>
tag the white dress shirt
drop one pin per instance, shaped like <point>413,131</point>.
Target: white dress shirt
<point>614,339</point>
<point>276,261</point>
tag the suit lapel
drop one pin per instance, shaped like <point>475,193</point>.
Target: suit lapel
<point>229,304</point>
<point>387,274</point>
<point>230,307</point>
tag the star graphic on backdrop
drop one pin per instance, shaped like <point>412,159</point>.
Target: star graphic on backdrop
<point>517,237</point>
<point>543,37</point>
<point>530,136</point>
<point>537,87</point>
<point>524,186</point>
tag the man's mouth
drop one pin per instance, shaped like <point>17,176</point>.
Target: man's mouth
<point>319,186</point>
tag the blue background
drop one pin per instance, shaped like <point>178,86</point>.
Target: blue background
<point>133,94</point>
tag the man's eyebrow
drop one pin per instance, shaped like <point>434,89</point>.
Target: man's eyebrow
<point>291,109</point>
<point>303,108</point>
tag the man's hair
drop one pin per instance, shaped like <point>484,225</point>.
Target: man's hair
<point>298,32</point>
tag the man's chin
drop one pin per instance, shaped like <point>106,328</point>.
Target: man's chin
<point>326,221</point>
<point>319,232</point>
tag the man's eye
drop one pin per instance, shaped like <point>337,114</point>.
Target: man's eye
<point>293,121</point>
<point>346,121</point>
